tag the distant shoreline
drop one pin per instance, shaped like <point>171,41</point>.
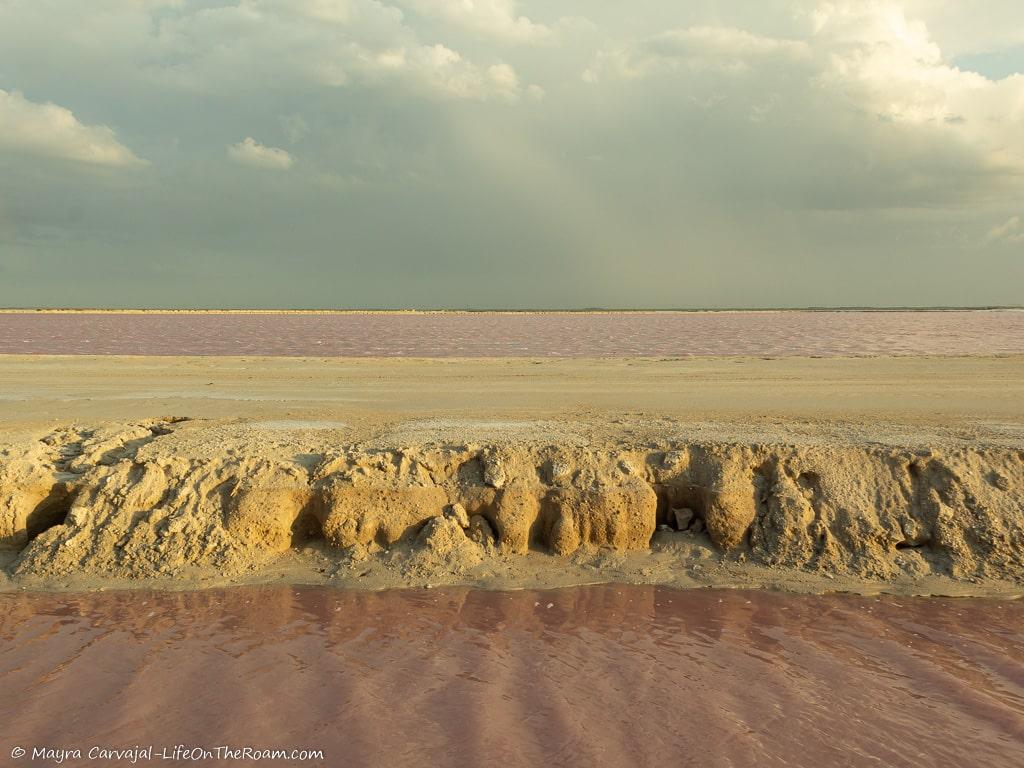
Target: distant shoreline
<point>593,311</point>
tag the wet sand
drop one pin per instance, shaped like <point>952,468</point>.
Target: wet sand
<point>598,676</point>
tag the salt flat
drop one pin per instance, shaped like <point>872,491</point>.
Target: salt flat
<point>970,395</point>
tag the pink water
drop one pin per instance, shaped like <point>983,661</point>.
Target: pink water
<point>662,334</point>
<point>596,676</point>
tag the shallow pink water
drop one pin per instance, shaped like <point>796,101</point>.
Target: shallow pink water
<point>596,676</point>
<point>766,334</point>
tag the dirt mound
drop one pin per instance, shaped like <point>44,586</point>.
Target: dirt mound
<point>139,501</point>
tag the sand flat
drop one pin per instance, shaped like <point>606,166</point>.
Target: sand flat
<point>984,394</point>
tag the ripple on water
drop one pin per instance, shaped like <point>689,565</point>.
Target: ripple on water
<point>486,334</point>
<point>587,676</point>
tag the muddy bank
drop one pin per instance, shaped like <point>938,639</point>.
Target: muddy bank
<point>184,502</point>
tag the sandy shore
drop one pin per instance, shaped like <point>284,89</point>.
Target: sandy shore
<point>903,475</point>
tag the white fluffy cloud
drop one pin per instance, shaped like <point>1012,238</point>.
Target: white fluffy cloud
<point>49,130</point>
<point>434,69</point>
<point>890,64</point>
<point>497,19</point>
<point>250,152</point>
<point>870,53</point>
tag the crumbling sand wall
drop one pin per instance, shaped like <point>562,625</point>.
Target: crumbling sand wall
<point>122,501</point>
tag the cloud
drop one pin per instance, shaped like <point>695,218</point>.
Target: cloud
<point>250,152</point>
<point>439,70</point>
<point>889,64</point>
<point>795,144</point>
<point>265,45</point>
<point>692,48</point>
<point>49,130</point>
<point>868,55</point>
<point>1010,231</point>
<point>336,11</point>
<point>496,19</point>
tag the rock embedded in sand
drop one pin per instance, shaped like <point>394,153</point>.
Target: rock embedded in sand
<point>480,531</point>
<point>494,469</point>
<point>682,518</point>
<point>555,472</point>
<point>458,513</point>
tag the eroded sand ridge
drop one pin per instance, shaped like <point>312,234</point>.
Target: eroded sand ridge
<point>168,498</point>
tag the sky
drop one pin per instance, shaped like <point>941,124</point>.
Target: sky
<point>511,153</point>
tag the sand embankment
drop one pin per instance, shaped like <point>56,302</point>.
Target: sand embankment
<point>904,475</point>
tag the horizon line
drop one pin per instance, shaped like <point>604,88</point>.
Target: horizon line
<point>506,310</point>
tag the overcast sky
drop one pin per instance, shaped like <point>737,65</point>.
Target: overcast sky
<point>495,153</point>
